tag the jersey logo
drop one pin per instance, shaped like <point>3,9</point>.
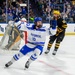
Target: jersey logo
<point>34,39</point>
<point>35,35</point>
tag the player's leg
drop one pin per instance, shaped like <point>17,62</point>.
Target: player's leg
<point>14,58</point>
<point>38,51</point>
<point>57,44</point>
<point>24,50</point>
<point>51,40</point>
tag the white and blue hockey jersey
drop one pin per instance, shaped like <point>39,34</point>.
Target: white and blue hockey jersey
<point>35,36</point>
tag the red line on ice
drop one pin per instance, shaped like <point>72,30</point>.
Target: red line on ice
<point>54,67</point>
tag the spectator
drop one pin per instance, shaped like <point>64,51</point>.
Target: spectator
<point>24,10</point>
<point>4,17</point>
<point>10,17</point>
<point>73,16</point>
<point>40,8</point>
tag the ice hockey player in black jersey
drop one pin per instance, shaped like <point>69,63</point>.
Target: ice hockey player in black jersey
<point>60,33</point>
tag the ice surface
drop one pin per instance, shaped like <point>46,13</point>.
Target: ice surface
<point>61,64</point>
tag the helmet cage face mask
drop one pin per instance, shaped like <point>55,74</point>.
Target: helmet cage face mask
<point>38,22</point>
<point>55,15</point>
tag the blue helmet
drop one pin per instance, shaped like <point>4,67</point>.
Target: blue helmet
<point>37,19</point>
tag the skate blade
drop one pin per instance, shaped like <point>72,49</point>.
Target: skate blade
<point>6,67</point>
<point>25,68</point>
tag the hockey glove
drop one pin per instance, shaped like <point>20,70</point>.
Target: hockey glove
<point>59,30</point>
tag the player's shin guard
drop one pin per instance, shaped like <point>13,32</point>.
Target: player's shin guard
<point>18,56</point>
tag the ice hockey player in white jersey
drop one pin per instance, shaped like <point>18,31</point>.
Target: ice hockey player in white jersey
<point>36,40</point>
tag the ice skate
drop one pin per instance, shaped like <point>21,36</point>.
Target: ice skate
<point>47,51</point>
<point>54,52</point>
<point>27,65</point>
<point>8,64</point>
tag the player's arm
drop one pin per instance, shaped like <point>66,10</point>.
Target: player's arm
<point>53,24</point>
<point>63,26</point>
<point>20,27</point>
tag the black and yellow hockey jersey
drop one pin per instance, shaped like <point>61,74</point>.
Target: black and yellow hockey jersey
<point>61,26</point>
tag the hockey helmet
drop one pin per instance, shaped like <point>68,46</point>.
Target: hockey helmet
<point>36,19</point>
<point>57,12</point>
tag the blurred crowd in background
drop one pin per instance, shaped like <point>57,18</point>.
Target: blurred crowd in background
<point>11,10</point>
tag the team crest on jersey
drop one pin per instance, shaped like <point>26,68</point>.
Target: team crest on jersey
<point>34,39</point>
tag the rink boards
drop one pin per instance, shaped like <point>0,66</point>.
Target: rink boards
<point>69,31</point>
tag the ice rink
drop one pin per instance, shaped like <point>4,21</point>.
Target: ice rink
<point>61,64</point>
